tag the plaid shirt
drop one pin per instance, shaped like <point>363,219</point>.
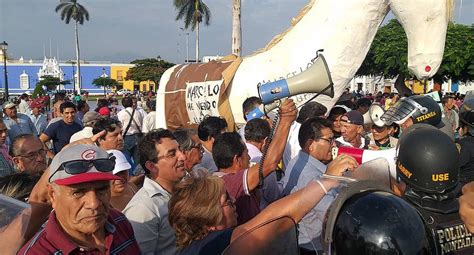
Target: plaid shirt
<point>50,239</point>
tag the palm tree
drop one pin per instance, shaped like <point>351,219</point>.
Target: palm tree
<point>193,12</point>
<point>71,9</point>
<point>236,28</point>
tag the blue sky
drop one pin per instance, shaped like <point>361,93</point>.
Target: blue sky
<point>121,31</point>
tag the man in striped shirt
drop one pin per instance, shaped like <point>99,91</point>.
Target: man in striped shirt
<point>82,221</point>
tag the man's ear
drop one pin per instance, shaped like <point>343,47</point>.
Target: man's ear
<point>236,161</point>
<point>16,160</point>
<point>151,167</point>
<point>52,195</point>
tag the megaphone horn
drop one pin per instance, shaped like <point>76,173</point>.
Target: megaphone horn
<point>315,79</point>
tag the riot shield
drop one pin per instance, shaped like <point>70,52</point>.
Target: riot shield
<point>14,218</point>
<point>278,236</point>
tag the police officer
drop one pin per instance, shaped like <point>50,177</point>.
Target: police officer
<point>366,219</point>
<point>416,109</point>
<point>466,143</point>
<point>428,164</point>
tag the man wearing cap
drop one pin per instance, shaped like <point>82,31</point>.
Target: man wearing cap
<point>88,121</point>
<point>17,123</point>
<point>37,117</point>
<point>82,221</point>
<point>352,128</point>
<point>122,190</point>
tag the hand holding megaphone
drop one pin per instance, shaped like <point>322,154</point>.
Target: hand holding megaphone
<point>288,111</point>
<point>341,164</point>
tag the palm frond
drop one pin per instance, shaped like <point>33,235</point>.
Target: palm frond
<point>60,6</point>
<point>69,14</point>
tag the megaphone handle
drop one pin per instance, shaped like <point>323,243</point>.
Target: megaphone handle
<point>265,150</point>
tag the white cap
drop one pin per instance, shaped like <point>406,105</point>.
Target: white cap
<point>121,163</point>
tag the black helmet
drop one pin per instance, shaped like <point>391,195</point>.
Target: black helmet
<point>378,222</point>
<point>466,114</point>
<point>421,109</point>
<point>428,159</point>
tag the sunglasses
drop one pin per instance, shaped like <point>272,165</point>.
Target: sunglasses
<point>82,166</point>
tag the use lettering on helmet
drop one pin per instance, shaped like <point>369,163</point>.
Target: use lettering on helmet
<point>404,171</point>
<point>440,177</point>
<point>425,116</point>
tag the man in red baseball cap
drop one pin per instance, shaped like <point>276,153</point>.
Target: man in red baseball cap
<point>82,220</point>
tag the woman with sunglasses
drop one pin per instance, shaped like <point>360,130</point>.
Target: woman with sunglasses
<point>382,138</point>
<point>205,220</point>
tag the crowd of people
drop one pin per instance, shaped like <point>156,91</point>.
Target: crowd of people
<point>107,181</point>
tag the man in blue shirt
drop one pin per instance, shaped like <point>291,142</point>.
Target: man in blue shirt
<point>316,140</point>
<point>37,117</point>
<point>17,123</point>
<point>61,131</point>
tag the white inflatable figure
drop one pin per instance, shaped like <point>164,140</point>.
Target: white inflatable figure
<point>345,30</point>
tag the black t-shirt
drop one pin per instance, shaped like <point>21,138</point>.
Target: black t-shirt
<point>60,133</point>
<point>214,243</point>
<point>466,162</point>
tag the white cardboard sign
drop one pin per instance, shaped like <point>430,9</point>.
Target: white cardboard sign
<point>202,99</point>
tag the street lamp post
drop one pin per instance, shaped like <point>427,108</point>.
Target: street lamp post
<point>4,46</point>
<point>104,75</point>
<point>187,44</point>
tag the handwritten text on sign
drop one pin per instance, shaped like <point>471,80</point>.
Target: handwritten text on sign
<point>202,99</point>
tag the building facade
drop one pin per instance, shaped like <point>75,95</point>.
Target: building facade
<point>23,75</point>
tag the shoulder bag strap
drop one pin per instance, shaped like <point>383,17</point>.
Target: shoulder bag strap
<point>130,122</point>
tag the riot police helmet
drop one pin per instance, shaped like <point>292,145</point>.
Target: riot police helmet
<point>427,160</point>
<point>421,109</point>
<point>379,222</point>
<point>466,114</point>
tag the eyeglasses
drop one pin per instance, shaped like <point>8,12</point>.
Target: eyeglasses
<point>82,166</point>
<point>34,155</point>
<point>329,140</point>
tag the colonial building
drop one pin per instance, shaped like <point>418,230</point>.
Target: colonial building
<point>23,75</point>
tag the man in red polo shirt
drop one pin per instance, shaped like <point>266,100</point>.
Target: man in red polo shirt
<point>82,221</point>
<point>242,180</point>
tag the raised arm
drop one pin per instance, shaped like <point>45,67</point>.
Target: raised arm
<point>294,206</point>
<point>288,113</point>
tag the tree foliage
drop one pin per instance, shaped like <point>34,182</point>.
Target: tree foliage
<point>72,10</point>
<point>148,69</point>
<point>105,82</point>
<point>193,12</point>
<point>388,54</point>
<point>50,82</point>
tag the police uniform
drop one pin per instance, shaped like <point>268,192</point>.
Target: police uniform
<point>430,169</point>
<point>445,229</point>
<point>466,151</point>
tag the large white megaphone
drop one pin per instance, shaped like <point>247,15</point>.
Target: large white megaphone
<point>373,115</point>
<point>363,156</point>
<point>315,79</point>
